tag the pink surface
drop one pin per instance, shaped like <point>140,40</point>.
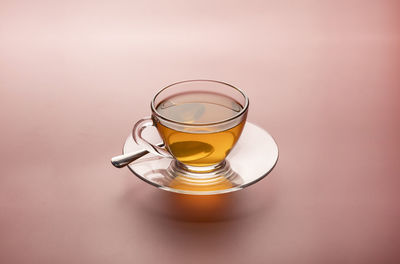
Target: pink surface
<point>322,77</point>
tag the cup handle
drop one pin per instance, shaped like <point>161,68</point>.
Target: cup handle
<point>137,136</point>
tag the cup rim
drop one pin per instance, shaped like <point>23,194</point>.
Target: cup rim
<point>241,113</point>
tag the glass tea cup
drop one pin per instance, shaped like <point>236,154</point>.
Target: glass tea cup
<point>199,121</point>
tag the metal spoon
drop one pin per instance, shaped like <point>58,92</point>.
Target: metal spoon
<point>124,159</point>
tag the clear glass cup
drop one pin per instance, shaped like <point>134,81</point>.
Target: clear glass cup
<point>200,122</point>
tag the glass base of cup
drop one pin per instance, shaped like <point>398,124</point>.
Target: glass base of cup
<point>210,178</point>
<point>200,170</point>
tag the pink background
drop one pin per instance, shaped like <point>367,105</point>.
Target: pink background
<point>322,76</point>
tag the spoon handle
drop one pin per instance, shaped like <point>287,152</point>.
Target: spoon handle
<point>124,159</point>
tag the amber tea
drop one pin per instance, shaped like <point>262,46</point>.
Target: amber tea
<point>202,145</point>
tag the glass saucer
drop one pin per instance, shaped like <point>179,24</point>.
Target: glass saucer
<point>253,157</point>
